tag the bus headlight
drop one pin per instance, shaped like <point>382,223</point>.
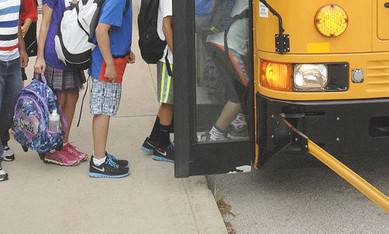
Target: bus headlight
<point>310,77</point>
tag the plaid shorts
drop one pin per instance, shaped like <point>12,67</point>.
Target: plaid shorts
<point>64,80</point>
<point>105,98</point>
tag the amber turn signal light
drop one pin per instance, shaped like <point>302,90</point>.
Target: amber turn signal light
<point>331,20</point>
<point>276,76</point>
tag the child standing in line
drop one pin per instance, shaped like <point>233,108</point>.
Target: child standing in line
<point>12,56</point>
<point>109,60</point>
<point>28,20</point>
<point>28,17</point>
<point>65,81</point>
<point>158,143</point>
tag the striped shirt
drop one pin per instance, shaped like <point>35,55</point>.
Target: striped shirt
<point>9,24</point>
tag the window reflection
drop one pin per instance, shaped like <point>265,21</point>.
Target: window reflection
<point>222,60</point>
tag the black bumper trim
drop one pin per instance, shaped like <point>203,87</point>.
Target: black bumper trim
<point>340,127</point>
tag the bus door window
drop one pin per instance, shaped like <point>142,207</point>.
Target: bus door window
<point>222,70</point>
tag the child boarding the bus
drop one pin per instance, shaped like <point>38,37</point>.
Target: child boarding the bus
<point>158,143</point>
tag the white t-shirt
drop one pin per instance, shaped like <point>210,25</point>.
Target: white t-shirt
<point>165,9</point>
<point>238,36</point>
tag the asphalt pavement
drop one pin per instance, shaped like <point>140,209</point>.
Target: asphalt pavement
<point>294,193</point>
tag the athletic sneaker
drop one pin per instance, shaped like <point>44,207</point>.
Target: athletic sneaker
<point>73,150</point>
<point>8,154</point>
<point>148,146</point>
<point>238,128</point>
<point>3,174</point>
<point>109,169</point>
<point>122,163</point>
<point>62,158</point>
<point>214,135</point>
<point>164,155</point>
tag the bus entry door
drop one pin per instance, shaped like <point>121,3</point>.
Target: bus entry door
<point>213,87</point>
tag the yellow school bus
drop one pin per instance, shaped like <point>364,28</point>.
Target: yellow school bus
<point>319,83</point>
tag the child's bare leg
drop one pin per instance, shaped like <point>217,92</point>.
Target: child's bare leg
<point>69,109</point>
<point>61,98</point>
<point>67,101</point>
<point>228,115</point>
<point>165,114</point>
<point>100,135</point>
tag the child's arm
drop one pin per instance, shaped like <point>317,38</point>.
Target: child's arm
<point>29,8</point>
<point>168,31</point>
<point>40,64</point>
<point>26,26</point>
<point>103,41</point>
<point>22,50</point>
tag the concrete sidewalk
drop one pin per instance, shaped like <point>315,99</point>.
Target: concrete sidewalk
<point>42,198</point>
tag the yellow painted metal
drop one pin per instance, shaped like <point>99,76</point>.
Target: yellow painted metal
<point>360,46</point>
<point>299,16</point>
<point>383,19</point>
<point>350,176</point>
<point>364,45</point>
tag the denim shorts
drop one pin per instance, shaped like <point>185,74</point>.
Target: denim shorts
<point>105,98</point>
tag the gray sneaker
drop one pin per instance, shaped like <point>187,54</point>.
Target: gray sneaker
<point>214,135</point>
<point>3,174</point>
<point>238,128</point>
<point>8,154</point>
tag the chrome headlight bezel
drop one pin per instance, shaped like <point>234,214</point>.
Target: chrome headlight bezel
<point>310,77</point>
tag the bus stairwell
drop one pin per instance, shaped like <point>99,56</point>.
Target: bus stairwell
<point>338,167</point>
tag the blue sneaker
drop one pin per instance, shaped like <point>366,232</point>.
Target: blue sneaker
<point>148,146</point>
<point>122,163</point>
<point>164,154</point>
<point>109,169</point>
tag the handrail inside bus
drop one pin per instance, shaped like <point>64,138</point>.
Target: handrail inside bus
<point>342,170</point>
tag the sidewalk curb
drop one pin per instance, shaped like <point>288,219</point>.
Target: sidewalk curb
<point>206,214</point>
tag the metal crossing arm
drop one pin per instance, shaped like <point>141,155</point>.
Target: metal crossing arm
<point>339,168</point>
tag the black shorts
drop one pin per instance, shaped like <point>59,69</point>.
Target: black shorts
<point>233,68</point>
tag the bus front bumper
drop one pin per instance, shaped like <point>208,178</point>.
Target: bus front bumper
<point>340,127</point>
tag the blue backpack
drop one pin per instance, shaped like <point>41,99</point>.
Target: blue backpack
<point>31,118</point>
<point>213,16</point>
<point>204,7</point>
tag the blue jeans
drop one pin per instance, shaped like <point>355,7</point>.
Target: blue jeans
<point>10,86</point>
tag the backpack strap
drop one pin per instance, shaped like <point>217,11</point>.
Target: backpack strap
<point>126,8</point>
<point>245,14</point>
<point>217,18</point>
<point>40,77</point>
<point>168,65</point>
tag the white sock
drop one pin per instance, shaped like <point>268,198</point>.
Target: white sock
<point>98,162</point>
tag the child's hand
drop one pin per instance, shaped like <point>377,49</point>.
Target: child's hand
<point>24,31</point>
<point>110,73</point>
<point>131,58</point>
<point>26,26</point>
<point>23,59</point>
<point>40,66</point>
